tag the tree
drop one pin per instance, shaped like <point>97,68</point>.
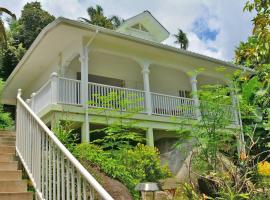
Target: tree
<point>97,17</point>
<point>33,19</point>
<point>3,36</point>
<point>21,35</point>
<point>255,88</point>
<point>181,39</point>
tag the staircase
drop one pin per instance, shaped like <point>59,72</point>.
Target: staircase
<point>12,187</point>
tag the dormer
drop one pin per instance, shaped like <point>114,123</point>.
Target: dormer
<point>145,26</point>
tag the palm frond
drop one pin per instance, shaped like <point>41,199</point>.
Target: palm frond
<point>2,9</point>
<point>82,19</point>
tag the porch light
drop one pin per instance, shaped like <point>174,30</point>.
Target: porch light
<point>147,190</point>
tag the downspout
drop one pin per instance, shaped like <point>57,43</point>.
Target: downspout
<point>242,148</point>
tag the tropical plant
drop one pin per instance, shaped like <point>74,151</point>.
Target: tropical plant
<point>97,17</point>
<point>66,135</point>
<point>120,133</point>
<point>181,39</point>
<point>3,36</point>
<point>255,53</point>
<point>129,166</point>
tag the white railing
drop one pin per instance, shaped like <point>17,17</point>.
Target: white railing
<point>42,98</point>
<point>69,91</point>
<point>212,110</point>
<point>167,105</point>
<point>111,97</point>
<point>55,173</point>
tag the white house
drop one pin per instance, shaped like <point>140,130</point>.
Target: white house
<point>71,60</point>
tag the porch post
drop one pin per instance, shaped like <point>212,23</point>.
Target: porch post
<point>84,93</point>
<point>146,84</point>
<point>150,137</point>
<point>33,106</point>
<point>193,80</point>
<point>54,88</point>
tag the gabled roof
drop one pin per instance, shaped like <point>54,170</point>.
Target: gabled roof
<point>146,26</point>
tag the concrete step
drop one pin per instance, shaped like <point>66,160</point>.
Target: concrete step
<point>11,175</point>
<point>13,186</point>
<point>9,166</point>
<point>7,149</point>
<point>5,157</point>
<point>16,196</point>
<point>7,143</point>
<point>7,133</point>
<point>7,139</point>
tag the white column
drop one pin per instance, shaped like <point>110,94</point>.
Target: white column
<point>54,88</point>
<point>84,92</point>
<point>150,137</point>
<point>33,102</point>
<point>194,91</point>
<point>146,84</point>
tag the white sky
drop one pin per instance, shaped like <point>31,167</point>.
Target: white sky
<point>225,18</point>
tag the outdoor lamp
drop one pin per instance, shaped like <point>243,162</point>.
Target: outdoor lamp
<point>147,190</point>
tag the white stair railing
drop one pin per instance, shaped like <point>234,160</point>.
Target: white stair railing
<point>55,173</point>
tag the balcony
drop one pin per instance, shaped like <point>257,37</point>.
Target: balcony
<point>66,91</point>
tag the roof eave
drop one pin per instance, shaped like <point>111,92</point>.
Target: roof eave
<point>94,28</point>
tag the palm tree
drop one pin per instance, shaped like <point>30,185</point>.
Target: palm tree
<point>3,36</point>
<point>97,17</point>
<point>181,39</point>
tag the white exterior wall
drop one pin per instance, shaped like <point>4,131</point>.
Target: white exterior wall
<point>113,67</point>
<point>168,81</point>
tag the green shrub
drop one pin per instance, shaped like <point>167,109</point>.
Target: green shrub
<point>6,121</point>
<point>129,166</point>
<point>143,163</point>
<point>66,135</point>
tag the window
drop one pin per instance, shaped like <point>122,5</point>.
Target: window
<point>139,27</point>
<point>184,93</point>
<point>103,80</point>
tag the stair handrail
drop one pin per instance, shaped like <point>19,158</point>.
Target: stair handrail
<point>83,172</point>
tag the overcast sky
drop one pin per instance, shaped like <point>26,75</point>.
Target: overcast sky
<point>213,27</point>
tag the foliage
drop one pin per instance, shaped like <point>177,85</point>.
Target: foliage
<point>33,19</point>
<point>3,36</point>
<point>118,137</point>
<point>98,18</point>
<point>146,159</point>
<point>239,180</point>
<point>6,121</point>
<point>181,39</point>
<point>129,166</point>
<point>21,35</point>
<point>120,133</point>
<point>209,136</point>
<point>66,135</point>
<point>264,168</point>
<point>255,53</point>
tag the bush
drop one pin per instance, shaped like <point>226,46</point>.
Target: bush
<point>6,121</point>
<point>129,166</point>
<point>144,163</point>
<point>66,135</point>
